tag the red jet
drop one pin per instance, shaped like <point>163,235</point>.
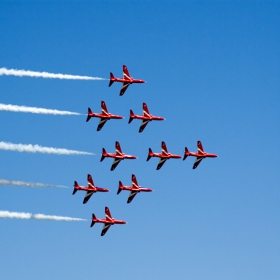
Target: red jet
<point>126,80</point>
<point>135,188</point>
<point>104,116</point>
<point>118,156</point>
<point>90,189</point>
<point>164,156</point>
<point>147,117</point>
<point>108,221</point>
<point>200,155</point>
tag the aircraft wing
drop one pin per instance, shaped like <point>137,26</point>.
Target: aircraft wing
<point>131,196</point>
<point>197,162</point>
<point>143,125</point>
<point>90,181</point>
<point>115,163</point>
<point>104,109</point>
<point>87,196</point>
<point>145,110</point>
<point>126,74</point>
<point>161,162</point>
<point>164,148</point>
<point>118,148</point>
<point>134,181</point>
<point>105,228</point>
<point>124,88</point>
<point>199,147</point>
<point>101,123</point>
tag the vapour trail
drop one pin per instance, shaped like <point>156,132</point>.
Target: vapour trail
<point>39,149</point>
<point>29,184</point>
<point>21,73</point>
<point>29,216</point>
<point>34,110</point>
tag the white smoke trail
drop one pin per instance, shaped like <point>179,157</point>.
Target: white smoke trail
<point>29,216</point>
<point>39,149</point>
<point>29,184</point>
<point>21,73</point>
<point>55,218</point>
<point>33,110</point>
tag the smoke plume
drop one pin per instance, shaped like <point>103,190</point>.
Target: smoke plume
<point>29,216</point>
<point>29,184</point>
<point>33,110</point>
<point>21,73</point>
<point>39,149</point>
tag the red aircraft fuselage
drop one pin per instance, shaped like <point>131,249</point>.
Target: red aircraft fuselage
<point>149,118</point>
<point>104,116</point>
<point>204,155</point>
<point>93,189</point>
<point>112,221</point>
<point>119,156</point>
<point>167,156</point>
<point>127,80</point>
<point>136,189</point>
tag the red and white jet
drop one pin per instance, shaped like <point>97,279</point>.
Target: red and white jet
<point>104,116</point>
<point>147,117</point>
<point>118,156</point>
<point>164,156</point>
<point>126,80</point>
<point>134,189</point>
<point>108,221</point>
<point>200,155</point>
<point>90,189</point>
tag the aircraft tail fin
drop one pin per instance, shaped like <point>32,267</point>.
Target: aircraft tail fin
<point>131,116</point>
<point>112,79</point>
<point>103,154</point>
<point>89,114</point>
<point>150,154</point>
<point>186,153</point>
<point>75,187</point>
<point>120,187</point>
<point>93,220</point>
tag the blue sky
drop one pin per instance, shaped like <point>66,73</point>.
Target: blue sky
<point>212,70</point>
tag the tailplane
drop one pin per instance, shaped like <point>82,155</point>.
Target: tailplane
<point>186,153</point>
<point>75,187</point>
<point>93,220</point>
<point>150,154</point>
<point>112,79</point>
<point>120,187</point>
<point>131,116</point>
<point>89,114</point>
<point>103,154</point>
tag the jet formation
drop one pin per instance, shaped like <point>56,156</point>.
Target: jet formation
<point>118,156</point>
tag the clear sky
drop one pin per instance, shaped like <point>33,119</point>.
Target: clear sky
<point>212,70</point>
